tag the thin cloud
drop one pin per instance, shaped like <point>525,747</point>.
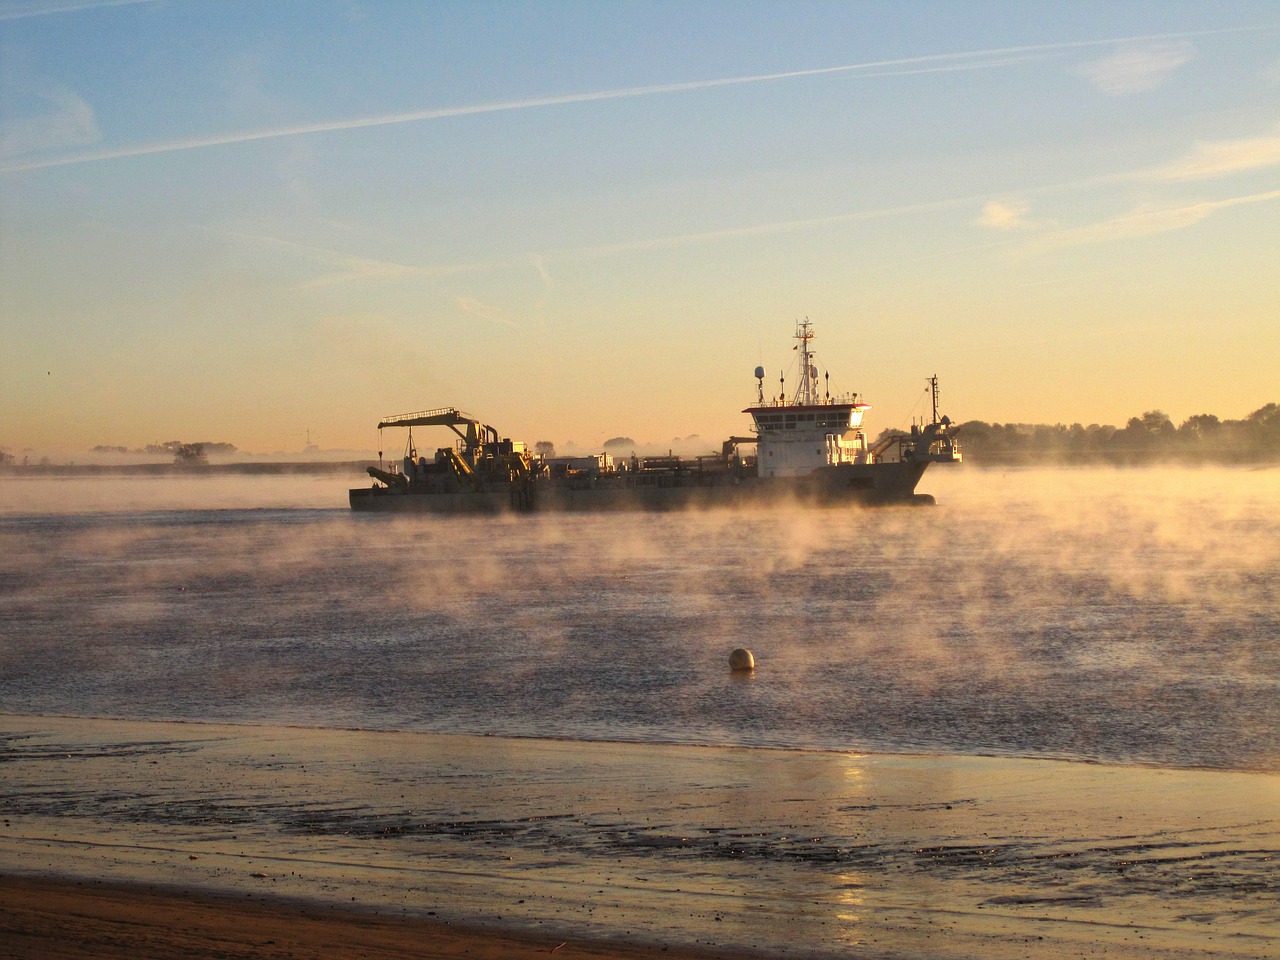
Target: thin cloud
<point>755,229</point>
<point>347,268</point>
<point>540,265</point>
<point>1138,68</point>
<point>1006,215</point>
<point>1002,215</point>
<point>70,124</point>
<point>970,60</point>
<point>1142,222</point>
<point>1222,158</point>
<point>482,311</point>
<point>1145,222</point>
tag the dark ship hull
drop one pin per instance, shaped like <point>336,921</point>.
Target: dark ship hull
<point>878,484</point>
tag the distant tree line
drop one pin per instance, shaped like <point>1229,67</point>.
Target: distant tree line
<point>188,453</point>
<point>1150,438</point>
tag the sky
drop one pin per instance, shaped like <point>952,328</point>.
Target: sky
<point>248,222</point>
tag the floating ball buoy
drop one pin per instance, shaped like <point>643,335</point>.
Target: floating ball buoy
<point>742,659</point>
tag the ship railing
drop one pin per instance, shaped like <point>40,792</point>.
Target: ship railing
<point>404,419</point>
<point>844,399</point>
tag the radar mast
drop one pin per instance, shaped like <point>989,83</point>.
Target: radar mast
<point>807,393</point>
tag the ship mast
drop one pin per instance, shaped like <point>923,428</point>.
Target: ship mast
<point>807,393</point>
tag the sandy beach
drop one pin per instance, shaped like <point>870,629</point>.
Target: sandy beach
<point>213,840</point>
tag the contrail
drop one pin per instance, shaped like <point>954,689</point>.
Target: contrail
<point>19,11</point>
<point>356,123</point>
<point>969,60</point>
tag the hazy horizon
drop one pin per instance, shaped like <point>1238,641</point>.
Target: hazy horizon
<point>429,438</point>
<point>239,222</point>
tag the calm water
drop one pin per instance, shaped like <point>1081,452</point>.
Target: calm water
<point>1119,616</point>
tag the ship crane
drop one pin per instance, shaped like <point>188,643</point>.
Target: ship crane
<point>479,458</point>
<point>474,438</point>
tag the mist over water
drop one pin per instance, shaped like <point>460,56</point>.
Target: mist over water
<point>1111,615</point>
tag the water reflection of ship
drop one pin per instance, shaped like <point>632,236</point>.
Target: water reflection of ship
<point>808,447</point>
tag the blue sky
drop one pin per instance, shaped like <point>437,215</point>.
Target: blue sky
<point>239,221</point>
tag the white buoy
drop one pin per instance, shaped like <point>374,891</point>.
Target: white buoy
<point>742,659</point>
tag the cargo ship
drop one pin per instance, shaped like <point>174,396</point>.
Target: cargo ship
<point>809,447</point>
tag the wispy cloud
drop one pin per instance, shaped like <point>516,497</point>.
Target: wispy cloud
<point>1211,159</point>
<point>1206,161</point>
<point>340,267</point>
<point>20,9</point>
<point>929,63</point>
<point>482,311</point>
<point>70,123</point>
<point>1147,220</point>
<point>757,229</point>
<point>1002,215</point>
<point>1144,222</point>
<point>540,265</point>
<point>1138,68</point>
<point>1222,158</point>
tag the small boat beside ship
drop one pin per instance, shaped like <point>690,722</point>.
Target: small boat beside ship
<point>808,447</point>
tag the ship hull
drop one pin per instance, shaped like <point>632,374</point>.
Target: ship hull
<point>847,484</point>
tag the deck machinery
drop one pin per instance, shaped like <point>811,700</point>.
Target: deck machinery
<point>479,461</point>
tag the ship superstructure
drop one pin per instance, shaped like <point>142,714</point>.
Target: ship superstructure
<point>800,434</point>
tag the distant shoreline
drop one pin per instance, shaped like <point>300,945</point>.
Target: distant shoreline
<point>267,467</point>
<point>357,468</point>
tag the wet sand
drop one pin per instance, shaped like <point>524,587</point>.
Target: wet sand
<point>232,836</point>
<point>45,919</point>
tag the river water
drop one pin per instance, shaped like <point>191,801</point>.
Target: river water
<point>1125,617</point>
